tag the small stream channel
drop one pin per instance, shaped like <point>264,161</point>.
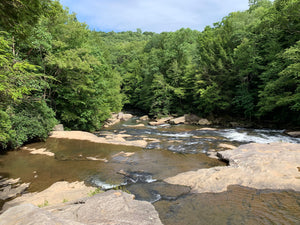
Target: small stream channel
<point>170,150</point>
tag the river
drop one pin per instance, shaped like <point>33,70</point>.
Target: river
<point>170,150</point>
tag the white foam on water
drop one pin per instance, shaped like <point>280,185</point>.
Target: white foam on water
<point>175,134</point>
<point>104,185</point>
<point>258,136</point>
<point>150,180</point>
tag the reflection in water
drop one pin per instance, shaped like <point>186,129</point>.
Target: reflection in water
<point>239,205</point>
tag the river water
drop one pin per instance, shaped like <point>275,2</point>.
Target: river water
<point>170,150</point>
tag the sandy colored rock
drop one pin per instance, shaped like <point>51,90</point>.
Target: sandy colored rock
<point>138,125</point>
<point>204,122</point>
<point>111,207</point>
<point>124,116</point>
<point>226,146</point>
<point>143,118</point>
<point>40,151</point>
<point>208,129</point>
<point>260,166</point>
<point>26,214</point>
<point>294,133</point>
<point>178,120</point>
<point>54,195</point>
<point>96,159</point>
<point>117,139</point>
<point>160,121</point>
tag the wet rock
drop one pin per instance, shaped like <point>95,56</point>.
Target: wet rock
<point>157,191</point>
<point>40,151</point>
<point>204,122</point>
<point>294,133</point>
<point>5,181</point>
<point>136,177</point>
<point>10,188</point>
<point>179,120</point>
<point>261,166</point>
<point>111,207</point>
<point>96,159</point>
<point>58,127</point>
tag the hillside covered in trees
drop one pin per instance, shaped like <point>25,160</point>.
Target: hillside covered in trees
<point>53,69</point>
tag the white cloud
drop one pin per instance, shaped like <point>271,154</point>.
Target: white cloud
<point>152,15</point>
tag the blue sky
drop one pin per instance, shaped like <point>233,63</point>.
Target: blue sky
<point>152,15</point>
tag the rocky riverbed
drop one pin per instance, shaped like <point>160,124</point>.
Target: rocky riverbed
<point>178,154</point>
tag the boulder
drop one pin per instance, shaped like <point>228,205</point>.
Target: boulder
<point>124,117</point>
<point>112,120</point>
<point>160,121</point>
<point>179,120</point>
<point>111,207</point>
<point>143,118</point>
<point>191,118</point>
<point>204,122</point>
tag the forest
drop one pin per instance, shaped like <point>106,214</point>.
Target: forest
<point>54,69</point>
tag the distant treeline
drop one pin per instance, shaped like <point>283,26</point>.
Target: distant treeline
<point>54,69</point>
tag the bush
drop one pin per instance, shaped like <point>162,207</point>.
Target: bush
<point>31,121</point>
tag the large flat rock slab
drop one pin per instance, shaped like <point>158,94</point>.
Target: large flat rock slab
<point>117,139</point>
<point>56,194</point>
<point>260,166</point>
<point>112,207</point>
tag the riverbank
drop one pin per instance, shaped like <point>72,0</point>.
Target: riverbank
<point>260,166</point>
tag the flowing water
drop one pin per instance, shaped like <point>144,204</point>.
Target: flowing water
<point>170,150</point>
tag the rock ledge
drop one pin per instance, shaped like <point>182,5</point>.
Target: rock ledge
<point>260,166</point>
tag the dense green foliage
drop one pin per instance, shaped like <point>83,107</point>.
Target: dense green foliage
<point>54,69</point>
<point>246,66</point>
